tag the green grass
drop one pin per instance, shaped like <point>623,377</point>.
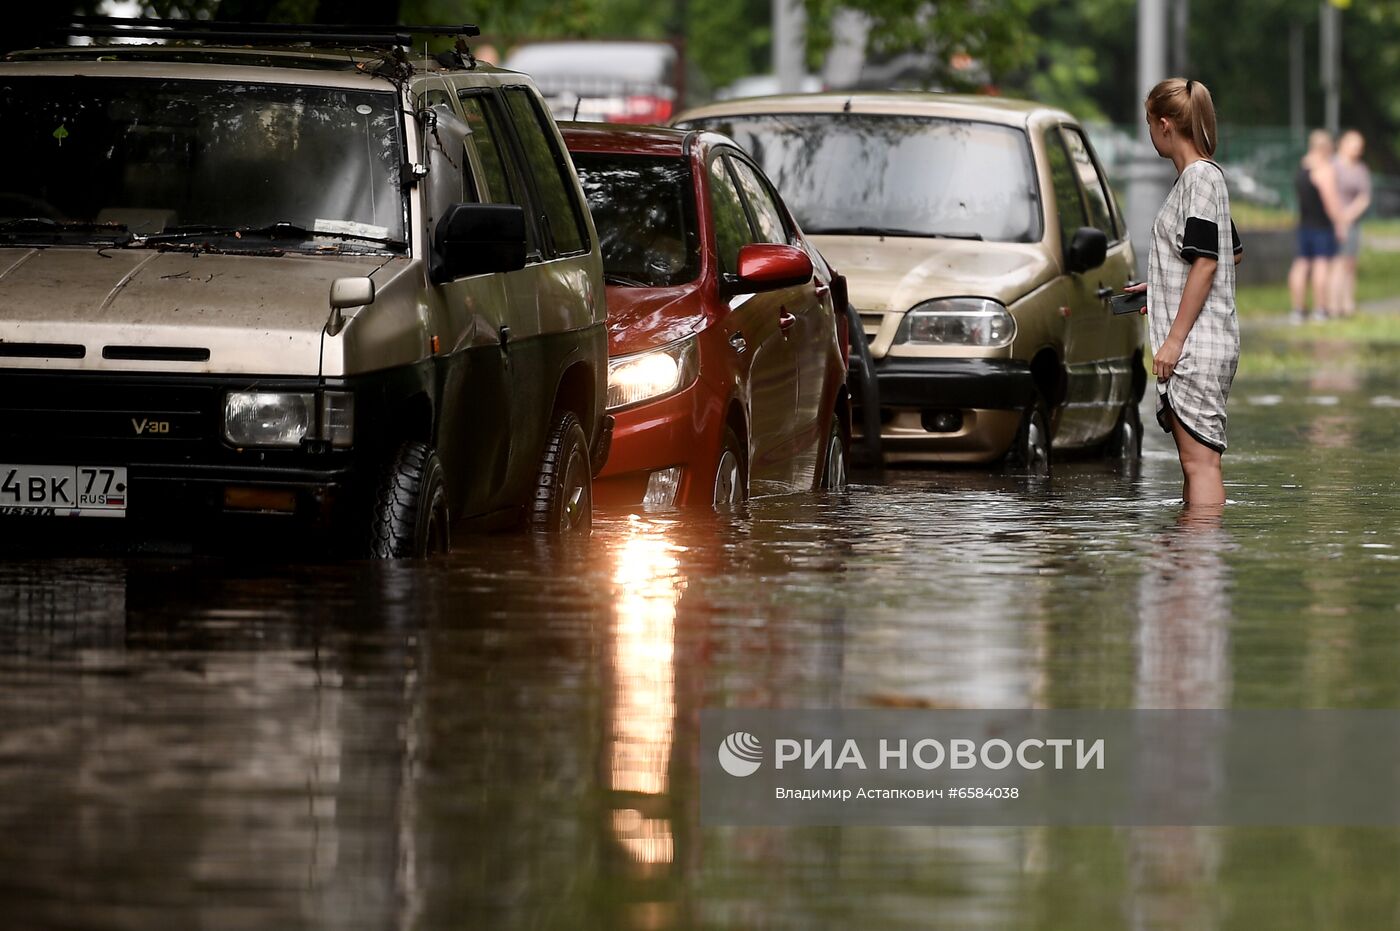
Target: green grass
<point>1378,279</point>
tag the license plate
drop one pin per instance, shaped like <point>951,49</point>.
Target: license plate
<point>62,491</point>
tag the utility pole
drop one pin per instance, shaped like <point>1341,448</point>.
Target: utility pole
<point>1297,103</point>
<point>1181,37</point>
<point>1330,49</point>
<point>789,44</point>
<point>1152,50</point>
<point>1147,178</point>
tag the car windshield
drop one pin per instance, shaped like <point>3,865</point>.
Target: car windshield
<point>644,209</point>
<point>895,175</point>
<point>161,156</point>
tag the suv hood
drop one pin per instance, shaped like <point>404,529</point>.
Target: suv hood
<point>645,318</point>
<point>259,315</point>
<point>892,274</point>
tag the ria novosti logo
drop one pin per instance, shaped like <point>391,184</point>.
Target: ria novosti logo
<point>740,754</point>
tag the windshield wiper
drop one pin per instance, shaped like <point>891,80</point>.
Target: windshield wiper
<point>279,230</point>
<point>886,231</point>
<point>610,278</point>
<point>23,228</point>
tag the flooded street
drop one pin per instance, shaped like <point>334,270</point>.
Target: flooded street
<point>507,738</point>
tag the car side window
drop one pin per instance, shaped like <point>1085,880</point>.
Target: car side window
<point>731,222</point>
<point>483,120</point>
<point>767,215</point>
<point>1069,208</point>
<point>559,209</point>
<point>1096,191</point>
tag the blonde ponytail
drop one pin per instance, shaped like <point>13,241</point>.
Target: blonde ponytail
<point>1187,104</point>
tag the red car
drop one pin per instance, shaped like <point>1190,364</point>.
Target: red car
<point>726,328</point>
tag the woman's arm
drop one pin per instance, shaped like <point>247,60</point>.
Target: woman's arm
<point>1326,180</point>
<point>1193,300</point>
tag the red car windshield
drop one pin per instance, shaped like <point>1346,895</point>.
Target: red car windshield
<point>644,209</point>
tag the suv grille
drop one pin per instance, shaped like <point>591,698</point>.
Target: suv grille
<point>44,415</point>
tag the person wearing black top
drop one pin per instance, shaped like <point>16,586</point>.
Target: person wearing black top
<point>1319,228</point>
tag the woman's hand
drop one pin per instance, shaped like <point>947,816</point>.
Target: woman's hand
<point>1139,288</point>
<point>1164,362</point>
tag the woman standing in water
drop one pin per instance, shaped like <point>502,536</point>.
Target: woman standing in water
<point>1191,288</point>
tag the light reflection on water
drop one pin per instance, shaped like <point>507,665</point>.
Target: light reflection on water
<point>508,738</point>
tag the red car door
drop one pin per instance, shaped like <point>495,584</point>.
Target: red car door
<point>757,328</point>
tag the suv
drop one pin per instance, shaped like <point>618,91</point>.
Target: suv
<point>982,243</point>
<point>305,280</point>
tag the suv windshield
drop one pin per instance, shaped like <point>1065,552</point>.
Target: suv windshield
<point>644,209</point>
<point>895,175</point>
<point>159,156</point>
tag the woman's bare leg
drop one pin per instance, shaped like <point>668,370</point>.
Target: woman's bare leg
<point>1205,485</point>
<point>1345,276</point>
<point>1298,283</point>
<point>1321,286</point>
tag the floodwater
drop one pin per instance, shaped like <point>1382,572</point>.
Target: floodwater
<point>507,738</point>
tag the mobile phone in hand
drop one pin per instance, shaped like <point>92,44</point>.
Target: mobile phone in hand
<point>1128,302</point>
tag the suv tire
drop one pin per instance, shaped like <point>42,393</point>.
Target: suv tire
<point>410,506</point>
<point>1030,451</point>
<point>563,502</point>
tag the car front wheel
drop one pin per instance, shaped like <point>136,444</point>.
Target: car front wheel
<point>834,464</point>
<point>410,516</point>
<point>563,502</point>
<point>1030,451</point>
<point>731,478</point>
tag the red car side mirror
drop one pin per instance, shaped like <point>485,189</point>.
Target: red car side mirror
<point>769,267</point>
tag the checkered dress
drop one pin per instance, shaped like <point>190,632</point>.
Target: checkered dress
<point>1195,223</point>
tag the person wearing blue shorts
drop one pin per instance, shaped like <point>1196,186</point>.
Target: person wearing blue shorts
<point>1320,228</point>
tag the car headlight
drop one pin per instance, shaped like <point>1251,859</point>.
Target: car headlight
<point>286,418</point>
<point>958,321</point>
<point>645,376</point>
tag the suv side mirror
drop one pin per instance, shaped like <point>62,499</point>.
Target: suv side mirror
<point>477,239</point>
<point>769,267</point>
<point>1088,249</point>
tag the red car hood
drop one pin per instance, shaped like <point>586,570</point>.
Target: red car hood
<point>644,318</point>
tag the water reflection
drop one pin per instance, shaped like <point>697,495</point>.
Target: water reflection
<point>507,738</point>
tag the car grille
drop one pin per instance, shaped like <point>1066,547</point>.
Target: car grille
<point>45,414</point>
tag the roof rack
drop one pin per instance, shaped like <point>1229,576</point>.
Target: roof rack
<point>323,35</point>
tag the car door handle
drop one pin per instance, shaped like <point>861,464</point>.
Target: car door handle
<point>737,341</point>
<point>785,321</point>
<point>504,335</point>
<point>1105,293</point>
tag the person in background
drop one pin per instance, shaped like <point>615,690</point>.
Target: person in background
<point>1320,227</point>
<point>1354,193</point>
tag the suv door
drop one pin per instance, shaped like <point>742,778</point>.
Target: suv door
<point>754,318</point>
<point>1114,339</point>
<point>814,331</point>
<point>560,288</point>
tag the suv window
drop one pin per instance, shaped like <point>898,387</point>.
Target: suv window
<point>766,214</point>
<point>483,120</point>
<point>1095,189</point>
<point>558,208</point>
<point>1069,208</point>
<point>732,230</point>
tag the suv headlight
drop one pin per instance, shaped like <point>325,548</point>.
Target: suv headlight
<point>645,376</point>
<point>958,321</point>
<point>286,418</point>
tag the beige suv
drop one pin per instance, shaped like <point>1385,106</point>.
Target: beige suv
<point>261,277</point>
<point>981,243</point>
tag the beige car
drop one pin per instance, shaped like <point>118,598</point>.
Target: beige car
<point>981,243</point>
<point>275,280</point>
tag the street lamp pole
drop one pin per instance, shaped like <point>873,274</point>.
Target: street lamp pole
<point>789,44</point>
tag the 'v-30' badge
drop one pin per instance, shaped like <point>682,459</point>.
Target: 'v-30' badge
<point>150,426</point>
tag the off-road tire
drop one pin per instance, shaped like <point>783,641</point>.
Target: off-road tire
<point>410,518</point>
<point>563,500</point>
<point>1030,451</point>
<point>731,474</point>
